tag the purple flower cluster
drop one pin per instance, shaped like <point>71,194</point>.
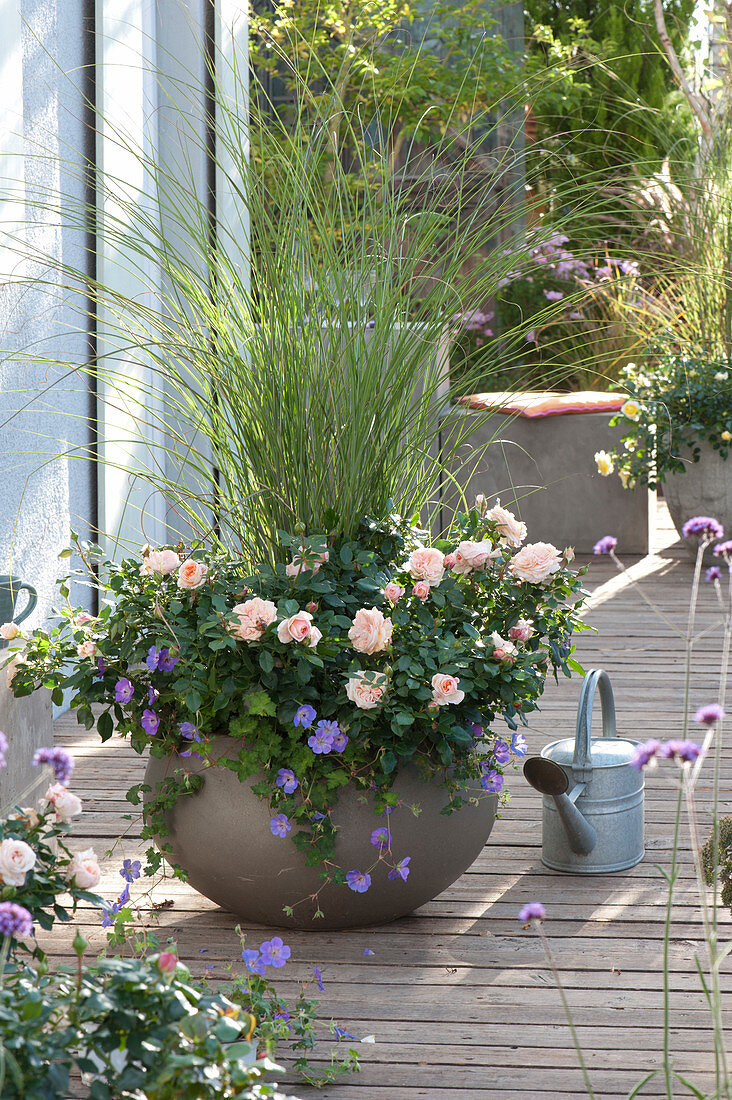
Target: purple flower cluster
<point>272,952</point>
<point>15,920</point>
<point>60,760</point>
<point>684,752</point>
<point>476,321</point>
<point>724,550</point>
<point>328,736</point>
<point>713,573</point>
<point>704,526</point>
<point>709,714</point>
<point>534,910</point>
<point>605,545</point>
<point>3,749</point>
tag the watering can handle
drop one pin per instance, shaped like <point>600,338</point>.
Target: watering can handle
<point>581,763</point>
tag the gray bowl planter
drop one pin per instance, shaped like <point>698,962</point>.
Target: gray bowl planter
<point>221,836</point>
<point>704,489</point>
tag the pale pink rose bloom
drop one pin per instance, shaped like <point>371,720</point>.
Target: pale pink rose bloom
<point>84,870</point>
<point>295,629</point>
<point>522,630</point>
<point>162,562</point>
<point>65,804</point>
<point>445,689</point>
<point>370,632</point>
<point>366,694</point>
<point>421,590</point>
<point>167,962</point>
<point>86,649</point>
<point>16,859</point>
<point>449,561</point>
<point>502,650</point>
<point>511,530</point>
<point>313,564</point>
<point>427,564</point>
<point>83,619</point>
<point>8,631</point>
<point>254,616</point>
<point>393,592</point>
<point>535,562</point>
<point>315,636</point>
<point>474,555</point>
<point>192,574</point>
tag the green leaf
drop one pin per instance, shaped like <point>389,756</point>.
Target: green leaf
<point>266,661</point>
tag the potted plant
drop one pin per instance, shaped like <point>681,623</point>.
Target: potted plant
<point>345,702</point>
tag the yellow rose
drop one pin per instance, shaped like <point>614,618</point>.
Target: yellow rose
<point>604,463</point>
<point>726,436</point>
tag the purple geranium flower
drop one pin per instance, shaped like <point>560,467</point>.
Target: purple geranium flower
<point>328,726</point>
<point>340,741</point>
<point>518,744</point>
<point>150,722</point>
<point>253,961</point>
<point>166,663</point>
<point>708,715</point>
<point>123,690</point>
<point>704,526</point>
<point>713,573</point>
<point>318,978</point>
<point>130,869</point>
<point>60,760</point>
<point>341,1034</point>
<point>533,911</point>
<point>321,742</point>
<point>152,696</point>
<point>15,920</point>
<point>152,658</point>
<point>287,780</point>
<point>367,951</point>
<point>189,731</point>
<point>380,837</point>
<point>358,881</point>
<point>491,780</point>
<point>644,754</point>
<point>502,752</point>
<point>401,870</point>
<point>605,545</point>
<point>101,667</point>
<point>304,716</point>
<point>279,825</point>
<point>111,911</point>
<point>274,952</point>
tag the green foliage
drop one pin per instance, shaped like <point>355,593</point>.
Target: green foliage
<point>717,860</point>
<point>677,400</point>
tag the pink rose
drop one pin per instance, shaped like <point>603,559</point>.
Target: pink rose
<point>370,632</point>
<point>253,618</point>
<point>84,871</point>
<point>86,649</point>
<point>192,574</point>
<point>167,962</point>
<point>427,564</point>
<point>65,804</point>
<point>315,636</point>
<point>295,629</point>
<point>502,650</point>
<point>366,689</point>
<point>445,689</point>
<point>393,592</point>
<point>162,562</point>
<point>474,555</point>
<point>449,561</point>
<point>312,564</point>
<point>421,590</point>
<point>522,630</point>
<point>535,562</point>
<point>511,530</point>
<point>16,859</point>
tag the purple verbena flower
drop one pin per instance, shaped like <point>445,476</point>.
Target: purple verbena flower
<point>60,760</point>
<point>709,715</point>
<point>724,550</point>
<point>491,780</point>
<point>519,745</point>
<point>274,952</point>
<point>704,526</point>
<point>123,690</point>
<point>713,573</point>
<point>287,780</point>
<point>340,741</point>
<point>318,978</point>
<point>253,961</point>
<point>279,825</point>
<point>321,742</point>
<point>189,731</point>
<point>534,910</point>
<point>685,752</point>
<point>401,870</point>
<point>15,920</point>
<point>358,881</point>
<point>150,722</point>
<point>130,869</point>
<point>553,295</point>
<point>304,716</point>
<point>502,752</point>
<point>380,837</point>
<point>3,749</point>
<point>644,754</point>
<point>605,545</point>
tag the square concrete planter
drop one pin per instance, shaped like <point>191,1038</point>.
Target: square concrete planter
<point>544,470</point>
<point>28,725</point>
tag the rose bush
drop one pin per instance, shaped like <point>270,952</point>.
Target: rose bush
<point>356,659</point>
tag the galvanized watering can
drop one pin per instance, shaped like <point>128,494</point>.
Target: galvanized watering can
<point>593,799</point>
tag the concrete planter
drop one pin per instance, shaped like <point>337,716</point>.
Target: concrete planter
<point>704,489</point>
<point>221,836</point>
<point>27,723</point>
<point>544,470</point>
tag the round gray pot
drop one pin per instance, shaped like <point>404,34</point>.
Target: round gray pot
<point>704,489</point>
<point>221,836</point>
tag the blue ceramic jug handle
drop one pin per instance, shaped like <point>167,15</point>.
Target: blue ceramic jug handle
<point>595,678</point>
<point>32,601</point>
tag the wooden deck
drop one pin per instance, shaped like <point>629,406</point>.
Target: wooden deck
<point>459,996</point>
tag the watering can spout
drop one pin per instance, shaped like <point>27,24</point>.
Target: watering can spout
<point>549,779</point>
